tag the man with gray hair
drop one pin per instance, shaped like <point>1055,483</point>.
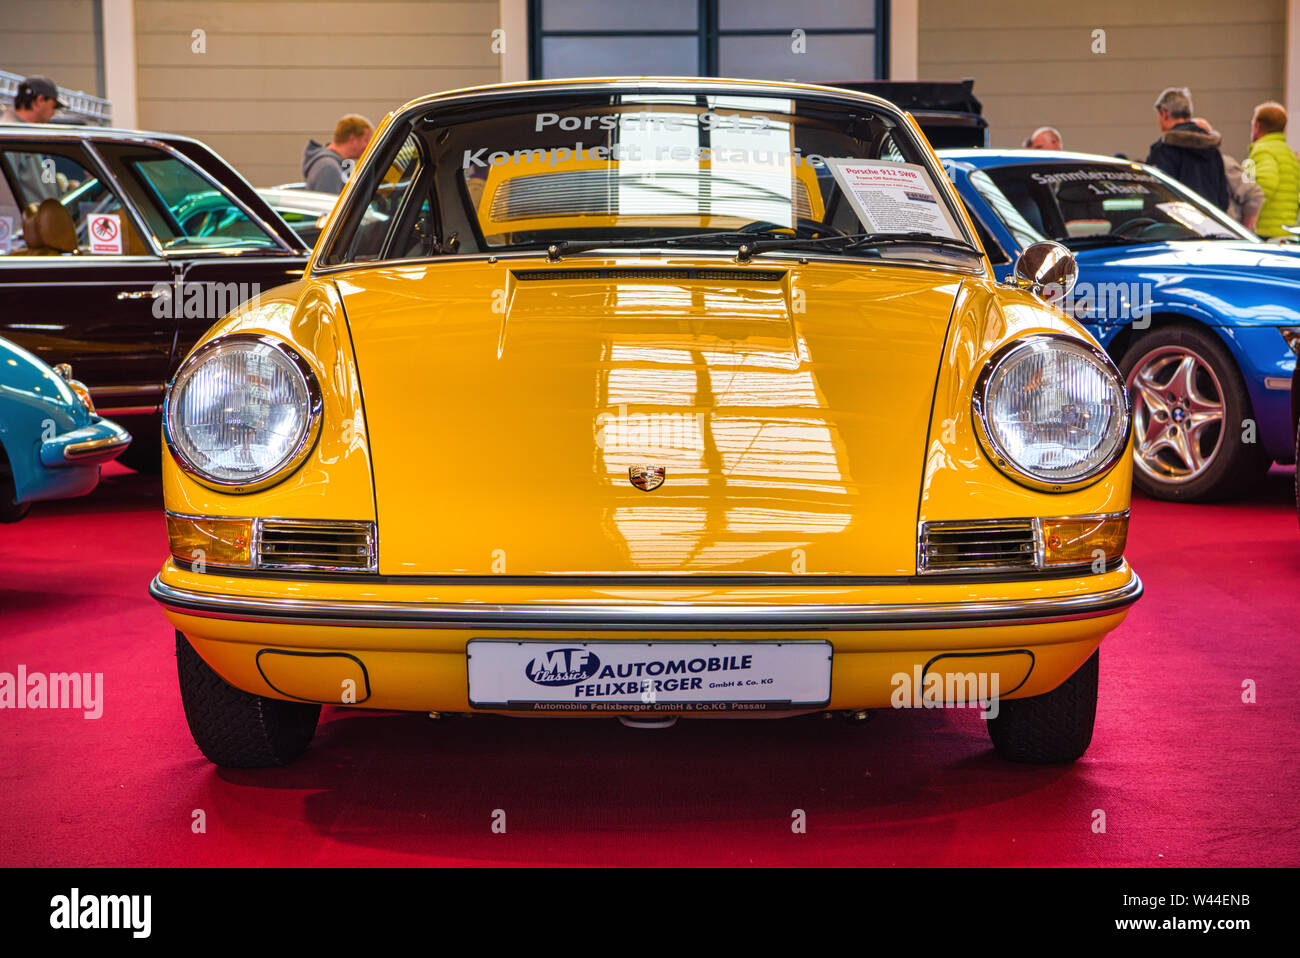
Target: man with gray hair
<point>1185,151</point>
<point>1044,138</point>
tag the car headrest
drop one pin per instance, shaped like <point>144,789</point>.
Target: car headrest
<point>31,235</point>
<point>55,227</point>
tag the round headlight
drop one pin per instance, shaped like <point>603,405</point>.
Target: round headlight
<point>242,413</point>
<point>1052,412</point>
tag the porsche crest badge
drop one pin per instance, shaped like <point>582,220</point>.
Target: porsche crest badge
<point>646,478</point>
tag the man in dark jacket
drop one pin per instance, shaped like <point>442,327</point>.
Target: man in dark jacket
<point>1185,151</point>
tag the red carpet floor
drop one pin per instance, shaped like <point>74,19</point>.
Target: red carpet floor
<point>1185,773</point>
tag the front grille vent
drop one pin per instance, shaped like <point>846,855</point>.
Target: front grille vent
<point>1001,545</point>
<point>716,275</point>
<point>320,545</point>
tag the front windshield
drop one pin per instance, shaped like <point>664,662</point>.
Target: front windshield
<point>646,169</point>
<point>1088,204</point>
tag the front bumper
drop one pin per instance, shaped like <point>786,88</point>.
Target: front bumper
<point>405,643</point>
<point>67,465</point>
<point>102,441</point>
<point>669,617</point>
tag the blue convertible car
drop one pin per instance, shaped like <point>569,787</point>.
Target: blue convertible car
<point>52,443</point>
<point>1202,317</point>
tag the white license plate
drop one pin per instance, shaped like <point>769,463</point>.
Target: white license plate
<point>613,676</point>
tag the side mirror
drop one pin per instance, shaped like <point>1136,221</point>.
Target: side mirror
<point>1046,268</point>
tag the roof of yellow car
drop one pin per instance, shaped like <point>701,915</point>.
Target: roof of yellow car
<point>771,86</point>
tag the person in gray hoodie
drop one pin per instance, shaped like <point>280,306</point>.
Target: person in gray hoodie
<point>1245,196</point>
<point>322,166</point>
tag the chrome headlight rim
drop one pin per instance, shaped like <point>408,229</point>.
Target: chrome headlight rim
<point>288,465</point>
<point>998,455</point>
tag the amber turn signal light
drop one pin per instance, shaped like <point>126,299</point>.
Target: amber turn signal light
<point>198,541</point>
<point>1084,540</point>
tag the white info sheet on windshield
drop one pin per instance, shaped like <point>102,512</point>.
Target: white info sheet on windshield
<point>893,197</point>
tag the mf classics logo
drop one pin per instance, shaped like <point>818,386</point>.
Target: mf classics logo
<point>562,667</point>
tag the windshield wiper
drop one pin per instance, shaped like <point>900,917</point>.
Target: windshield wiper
<point>748,248</point>
<point>1113,239</point>
<point>1124,239</point>
<point>852,241</point>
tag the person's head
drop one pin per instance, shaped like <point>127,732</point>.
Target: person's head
<point>352,136</point>
<point>37,99</point>
<point>1268,118</point>
<point>1044,138</point>
<point>1205,125</point>
<point>1174,106</point>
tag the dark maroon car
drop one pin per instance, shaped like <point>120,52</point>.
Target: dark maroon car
<point>118,248</point>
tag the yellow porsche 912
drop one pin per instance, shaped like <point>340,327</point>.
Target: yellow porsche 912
<point>647,399</point>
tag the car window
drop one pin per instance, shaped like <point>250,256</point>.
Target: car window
<point>997,256</point>
<point>385,200</point>
<point>182,208</point>
<point>1083,204</point>
<point>1013,217</point>
<point>11,218</point>
<point>90,209</point>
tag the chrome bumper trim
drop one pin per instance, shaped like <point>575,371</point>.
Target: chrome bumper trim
<point>93,448</point>
<point>657,617</point>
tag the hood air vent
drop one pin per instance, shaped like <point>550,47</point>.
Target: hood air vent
<point>715,275</point>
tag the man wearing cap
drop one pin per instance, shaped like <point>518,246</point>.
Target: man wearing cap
<point>35,102</point>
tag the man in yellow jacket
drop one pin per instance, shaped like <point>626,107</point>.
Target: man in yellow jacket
<point>1275,169</point>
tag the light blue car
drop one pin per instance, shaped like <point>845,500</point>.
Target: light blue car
<point>1202,317</point>
<point>52,442</point>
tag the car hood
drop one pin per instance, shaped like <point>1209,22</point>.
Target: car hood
<point>28,382</point>
<point>787,408</point>
<point>1242,283</point>
<point>1236,261</point>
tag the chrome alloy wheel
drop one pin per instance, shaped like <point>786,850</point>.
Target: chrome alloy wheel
<point>1178,414</point>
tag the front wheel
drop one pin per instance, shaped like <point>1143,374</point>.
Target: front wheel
<point>237,729</point>
<point>145,458</point>
<point>1191,438</point>
<point>1050,728</point>
<point>10,510</point>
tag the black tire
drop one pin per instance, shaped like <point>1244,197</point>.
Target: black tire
<point>1051,728</point>
<point>1232,466</point>
<point>144,457</point>
<point>10,511</point>
<point>236,729</point>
